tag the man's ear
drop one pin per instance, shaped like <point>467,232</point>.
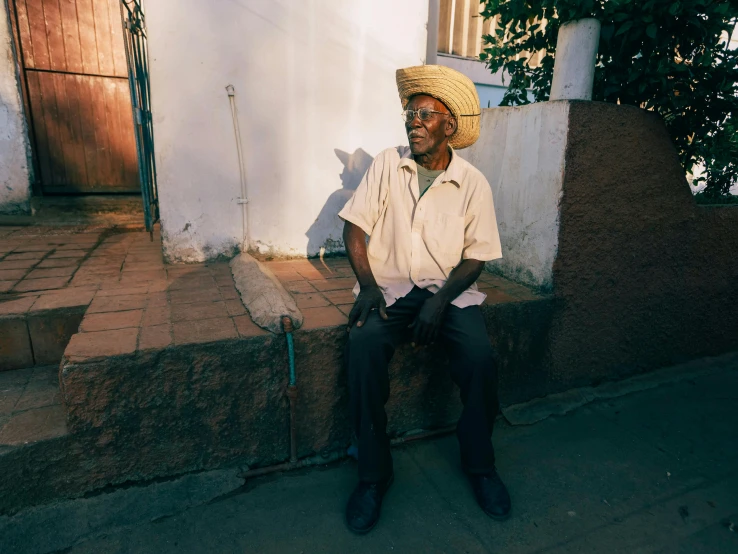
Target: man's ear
<point>450,126</point>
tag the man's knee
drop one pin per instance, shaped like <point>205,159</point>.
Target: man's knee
<point>368,351</point>
<point>368,338</point>
<point>480,359</point>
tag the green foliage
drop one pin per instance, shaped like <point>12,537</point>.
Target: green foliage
<point>664,55</point>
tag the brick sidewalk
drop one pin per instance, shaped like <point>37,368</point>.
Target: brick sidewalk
<point>132,299</point>
<point>322,288</point>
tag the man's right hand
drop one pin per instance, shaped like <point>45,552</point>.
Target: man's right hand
<point>369,298</point>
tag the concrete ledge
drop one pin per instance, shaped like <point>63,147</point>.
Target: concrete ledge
<point>160,413</point>
<point>226,398</point>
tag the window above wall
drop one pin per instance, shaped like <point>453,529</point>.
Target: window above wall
<point>459,43</point>
<point>460,28</point>
<point>459,40</point>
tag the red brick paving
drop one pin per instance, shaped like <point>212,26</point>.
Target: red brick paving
<point>310,300</point>
<point>117,303</point>
<point>12,274</point>
<point>323,293</point>
<point>51,272</point>
<point>100,344</point>
<point>17,264</point>
<point>68,254</point>
<point>5,286</point>
<point>135,300</point>
<point>41,284</point>
<point>345,308</point>
<point>156,336</point>
<point>25,256</point>
<point>69,299</point>
<point>334,284</point>
<point>59,262</point>
<point>247,328</point>
<point>339,296</point>
<point>326,316</point>
<point>229,293</point>
<point>17,305</point>
<point>157,298</point>
<point>122,291</point>
<point>157,315</point>
<point>112,320</point>
<point>189,297</point>
<point>198,311</point>
<point>204,330</point>
<point>235,307</point>
<point>299,286</point>
<point>132,298</point>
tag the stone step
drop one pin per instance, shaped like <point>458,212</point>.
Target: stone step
<point>190,406</point>
<point>167,374</point>
<point>30,407</point>
<point>213,393</point>
<point>122,210</point>
<point>48,277</point>
<point>35,329</point>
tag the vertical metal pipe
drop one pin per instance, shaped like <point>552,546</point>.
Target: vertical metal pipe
<point>291,387</point>
<point>243,200</point>
<point>291,351</point>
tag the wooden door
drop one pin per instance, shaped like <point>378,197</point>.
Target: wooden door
<point>73,62</point>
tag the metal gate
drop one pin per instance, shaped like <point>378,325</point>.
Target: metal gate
<point>134,32</point>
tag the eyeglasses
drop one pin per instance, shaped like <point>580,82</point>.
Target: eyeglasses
<point>424,114</point>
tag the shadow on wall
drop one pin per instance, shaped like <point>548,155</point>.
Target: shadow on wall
<point>326,231</point>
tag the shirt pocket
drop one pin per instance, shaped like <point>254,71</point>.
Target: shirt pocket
<point>443,235</point>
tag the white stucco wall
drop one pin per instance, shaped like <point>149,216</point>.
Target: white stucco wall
<point>521,153</point>
<point>315,88</point>
<point>15,186</point>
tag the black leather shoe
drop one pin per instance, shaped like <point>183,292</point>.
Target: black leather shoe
<point>491,495</point>
<point>365,505</point>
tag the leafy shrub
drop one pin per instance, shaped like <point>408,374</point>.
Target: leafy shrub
<point>668,56</point>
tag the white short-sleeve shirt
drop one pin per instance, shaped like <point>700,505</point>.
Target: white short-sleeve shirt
<point>417,240</point>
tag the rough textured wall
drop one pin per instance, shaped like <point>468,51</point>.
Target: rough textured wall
<point>159,413</point>
<point>521,153</point>
<point>316,95</point>
<point>645,278</point>
<point>15,185</point>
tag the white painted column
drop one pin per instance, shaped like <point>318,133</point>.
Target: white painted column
<point>431,51</point>
<point>576,53</point>
<point>15,184</point>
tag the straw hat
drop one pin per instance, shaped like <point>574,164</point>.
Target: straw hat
<point>452,88</point>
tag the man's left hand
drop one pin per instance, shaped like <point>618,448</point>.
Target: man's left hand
<point>428,322</point>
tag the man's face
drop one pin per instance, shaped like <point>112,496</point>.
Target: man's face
<point>428,136</point>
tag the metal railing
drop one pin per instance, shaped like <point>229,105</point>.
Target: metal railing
<point>134,34</point>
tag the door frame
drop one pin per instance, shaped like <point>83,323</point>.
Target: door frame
<point>36,189</point>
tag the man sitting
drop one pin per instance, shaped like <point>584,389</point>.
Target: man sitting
<point>431,224</point>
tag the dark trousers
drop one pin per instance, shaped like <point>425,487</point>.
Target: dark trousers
<point>473,369</point>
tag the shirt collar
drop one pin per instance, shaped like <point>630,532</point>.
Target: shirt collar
<point>453,171</point>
